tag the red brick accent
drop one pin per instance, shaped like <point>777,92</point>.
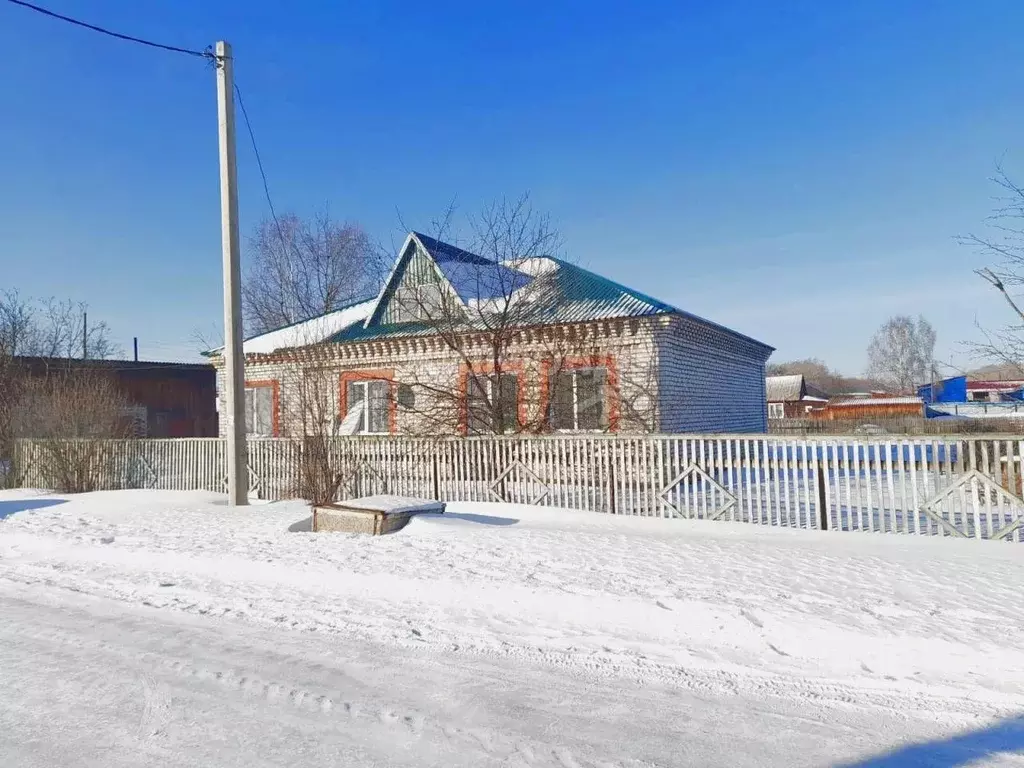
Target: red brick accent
<point>607,362</point>
<point>378,374</point>
<point>483,368</point>
<point>275,398</point>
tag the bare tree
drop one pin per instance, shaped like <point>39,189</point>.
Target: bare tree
<point>494,303</point>
<point>317,420</point>
<point>300,268</point>
<point>39,328</point>
<point>1003,246</point>
<point>68,416</point>
<point>50,328</point>
<point>812,369</point>
<point>901,354</point>
<point>818,373</point>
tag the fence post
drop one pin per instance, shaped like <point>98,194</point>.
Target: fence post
<point>436,475</point>
<point>822,503</point>
<point>611,479</point>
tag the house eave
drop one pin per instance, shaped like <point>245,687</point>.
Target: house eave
<point>431,342</point>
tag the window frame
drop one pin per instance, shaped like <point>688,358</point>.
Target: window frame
<point>274,387</point>
<point>487,369</point>
<point>776,411</point>
<point>606,416</point>
<point>492,379</point>
<point>365,402</point>
<point>366,377</point>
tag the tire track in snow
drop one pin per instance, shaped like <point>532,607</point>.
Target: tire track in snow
<point>310,701</point>
<point>898,703</point>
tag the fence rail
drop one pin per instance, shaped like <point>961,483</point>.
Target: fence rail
<point>967,486</point>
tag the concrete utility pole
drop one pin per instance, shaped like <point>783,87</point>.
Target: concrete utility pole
<point>234,362</point>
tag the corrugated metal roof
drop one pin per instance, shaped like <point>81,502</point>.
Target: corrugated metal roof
<point>552,292</point>
<point>783,389</point>
<point>870,401</point>
<point>544,290</point>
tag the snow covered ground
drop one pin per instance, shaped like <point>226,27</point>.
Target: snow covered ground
<point>146,628</point>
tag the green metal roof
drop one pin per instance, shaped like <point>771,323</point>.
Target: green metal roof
<point>551,290</point>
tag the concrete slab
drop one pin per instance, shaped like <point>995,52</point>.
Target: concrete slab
<point>373,515</point>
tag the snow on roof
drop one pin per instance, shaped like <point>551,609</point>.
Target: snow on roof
<point>312,331</point>
<point>979,410</point>
<point>783,389</point>
<point>896,400</point>
<point>533,265</point>
<point>1005,385</point>
<point>551,291</point>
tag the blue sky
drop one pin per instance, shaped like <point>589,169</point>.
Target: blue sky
<point>795,170</point>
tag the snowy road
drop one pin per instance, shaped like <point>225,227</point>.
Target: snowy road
<point>129,635</point>
<point>92,682</point>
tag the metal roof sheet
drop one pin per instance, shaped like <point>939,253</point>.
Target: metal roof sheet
<point>547,290</point>
<point>868,401</point>
<point>783,389</point>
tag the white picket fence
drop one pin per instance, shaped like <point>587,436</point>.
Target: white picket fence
<point>968,487</point>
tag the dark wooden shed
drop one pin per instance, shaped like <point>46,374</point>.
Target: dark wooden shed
<point>172,399</point>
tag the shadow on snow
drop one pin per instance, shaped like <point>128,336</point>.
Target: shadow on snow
<point>471,518</point>
<point>8,508</point>
<point>1006,736</point>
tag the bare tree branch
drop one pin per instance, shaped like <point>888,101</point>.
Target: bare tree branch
<point>300,268</point>
<point>902,353</point>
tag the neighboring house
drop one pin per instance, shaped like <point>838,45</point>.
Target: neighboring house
<point>960,397</point>
<point>961,389</point>
<point>584,354</point>
<point>167,399</point>
<point>1000,391</point>
<point>792,396</point>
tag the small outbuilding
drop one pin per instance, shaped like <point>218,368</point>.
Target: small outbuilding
<point>792,396</point>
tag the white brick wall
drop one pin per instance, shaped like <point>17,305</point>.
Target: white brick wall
<point>674,375</point>
<point>710,381</point>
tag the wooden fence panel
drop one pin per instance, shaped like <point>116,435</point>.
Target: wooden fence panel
<point>945,486</point>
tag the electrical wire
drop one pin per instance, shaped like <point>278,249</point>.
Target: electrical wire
<point>207,54</point>
<point>259,162</point>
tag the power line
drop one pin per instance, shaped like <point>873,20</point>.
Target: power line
<point>259,163</point>
<point>207,54</point>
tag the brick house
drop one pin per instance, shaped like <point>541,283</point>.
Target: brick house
<point>578,353</point>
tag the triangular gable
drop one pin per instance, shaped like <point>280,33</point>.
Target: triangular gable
<point>412,248</point>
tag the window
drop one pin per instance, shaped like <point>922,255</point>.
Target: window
<point>259,411</point>
<point>776,410</point>
<point>579,403</point>
<point>492,403</point>
<point>369,407</point>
